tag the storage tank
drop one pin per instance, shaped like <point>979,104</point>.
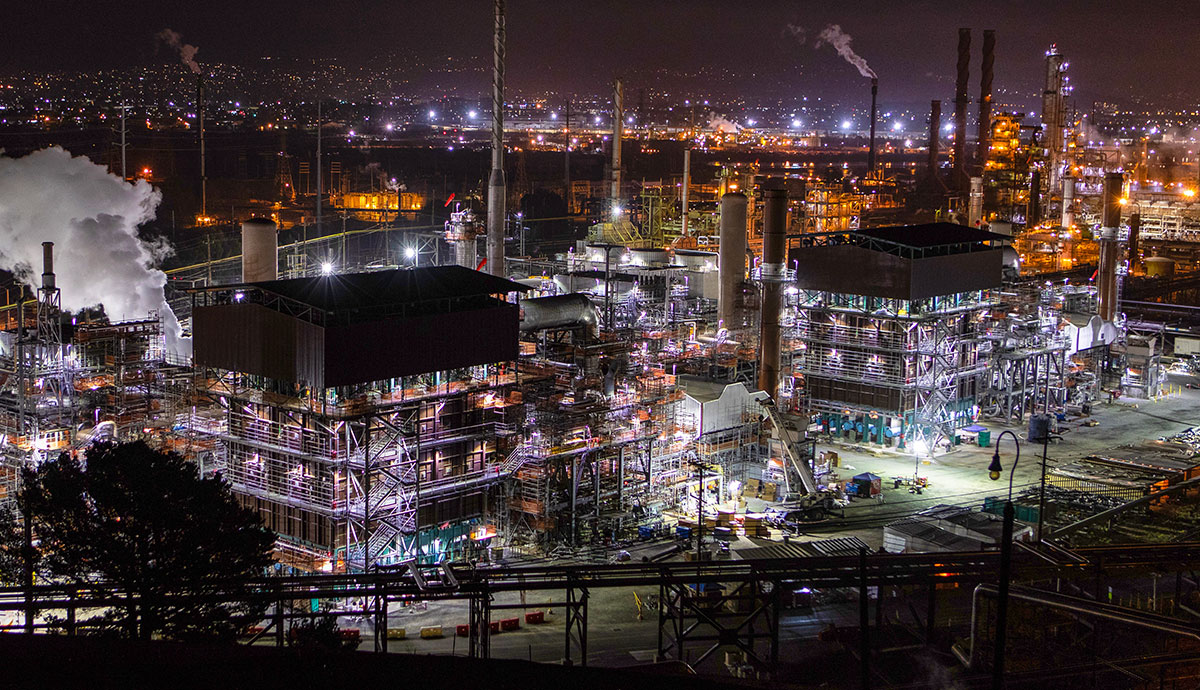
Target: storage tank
<point>260,250</point>
<point>1160,267</point>
<point>732,256</point>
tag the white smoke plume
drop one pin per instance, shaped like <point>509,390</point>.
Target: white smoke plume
<point>720,124</point>
<point>840,40</point>
<point>92,218</point>
<point>798,32</point>
<point>187,52</point>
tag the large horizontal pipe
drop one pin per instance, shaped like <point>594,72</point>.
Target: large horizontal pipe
<point>561,311</point>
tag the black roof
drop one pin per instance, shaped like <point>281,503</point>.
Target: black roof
<point>338,292</point>
<point>928,235</point>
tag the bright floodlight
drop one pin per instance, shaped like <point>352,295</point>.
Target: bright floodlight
<point>432,114</point>
<point>796,123</point>
<point>897,126</point>
<point>472,114</point>
<point>326,268</point>
<point>845,124</point>
<point>553,116</point>
<point>409,253</point>
<point>390,127</point>
<point>949,127</point>
<point>617,210</point>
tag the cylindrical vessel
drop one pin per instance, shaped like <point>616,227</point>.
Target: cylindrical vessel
<point>1110,251</point>
<point>560,311</point>
<point>985,97</point>
<point>975,203</point>
<point>687,183</point>
<point>48,265</point>
<point>1068,202</point>
<point>260,250</point>
<point>732,256</point>
<point>1039,427</point>
<point>871,145</point>
<point>774,238</point>
<point>960,103</point>
<point>1035,199</point>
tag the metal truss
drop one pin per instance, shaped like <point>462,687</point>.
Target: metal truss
<point>707,614</point>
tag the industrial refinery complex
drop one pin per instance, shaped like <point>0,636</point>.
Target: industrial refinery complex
<point>798,348</point>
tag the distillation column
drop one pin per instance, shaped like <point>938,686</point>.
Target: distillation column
<point>1110,250</point>
<point>772,274</point>
<point>732,257</point>
<point>496,184</point>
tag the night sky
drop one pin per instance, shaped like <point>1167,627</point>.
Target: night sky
<point>1116,49</point>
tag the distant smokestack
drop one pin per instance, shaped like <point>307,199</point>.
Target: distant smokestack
<point>732,257</point>
<point>871,150</point>
<point>496,185</point>
<point>203,175</point>
<point>1034,216</point>
<point>985,97</point>
<point>260,250</point>
<point>617,130</point>
<point>47,265</point>
<point>960,104</point>
<point>935,123</point>
<point>1135,230</point>
<point>1106,275</point>
<point>687,183</point>
<point>772,272</point>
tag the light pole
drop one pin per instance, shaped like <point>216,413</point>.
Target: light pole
<point>994,471</point>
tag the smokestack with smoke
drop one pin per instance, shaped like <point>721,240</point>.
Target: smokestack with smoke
<point>719,123</point>
<point>92,218</point>
<point>840,40</point>
<point>187,53</point>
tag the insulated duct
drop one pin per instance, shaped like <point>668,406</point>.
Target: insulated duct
<point>260,250</point>
<point>496,183</point>
<point>985,97</point>
<point>772,274</point>
<point>960,104</point>
<point>732,257</point>
<point>1110,251</point>
<point>560,311</point>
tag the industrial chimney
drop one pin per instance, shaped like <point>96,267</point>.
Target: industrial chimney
<point>203,175</point>
<point>618,129</point>
<point>871,150</point>
<point>48,265</point>
<point>1068,201</point>
<point>935,122</point>
<point>260,250</point>
<point>732,257</point>
<point>496,184</point>
<point>960,106</point>
<point>772,274</point>
<point>1110,251</point>
<point>1034,215</point>
<point>985,97</point>
<point>687,183</point>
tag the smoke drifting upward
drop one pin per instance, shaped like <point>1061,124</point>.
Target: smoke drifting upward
<point>92,218</point>
<point>187,52</point>
<point>718,123</point>
<point>840,40</point>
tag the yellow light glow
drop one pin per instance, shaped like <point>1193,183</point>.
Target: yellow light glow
<point>1189,193</point>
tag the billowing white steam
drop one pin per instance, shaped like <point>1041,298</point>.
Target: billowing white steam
<point>92,218</point>
<point>720,124</point>
<point>187,53</point>
<point>840,40</point>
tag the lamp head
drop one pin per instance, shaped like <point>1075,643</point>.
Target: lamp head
<point>994,469</point>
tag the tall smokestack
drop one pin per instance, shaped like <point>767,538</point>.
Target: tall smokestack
<point>732,257</point>
<point>203,175</point>
<point>871,150</point>
<point>935,123</point>
<point>47,265</point>
<point>496,186</point>
<point>1106,277</point>
<point>617,130</point>
<point>960,105</point>
<point>985,97</point>
<point>772,272</point>
<point>687,183</point>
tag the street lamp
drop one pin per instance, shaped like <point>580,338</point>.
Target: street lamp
<point>994,472</point>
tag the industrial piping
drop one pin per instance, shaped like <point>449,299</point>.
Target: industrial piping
<point>260,250</point>
<point>985,98</point>
<point>732,257</point>
<point>1106,279</point>
<point>560,311</point>
<point>960,106</point>
<point>496,183</point>
<point>772,274</point>
<point>871,150</point>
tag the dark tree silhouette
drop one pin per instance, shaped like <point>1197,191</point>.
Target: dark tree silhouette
<point>143,520</point>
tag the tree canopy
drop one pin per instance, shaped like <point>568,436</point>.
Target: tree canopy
<point>142,519</point>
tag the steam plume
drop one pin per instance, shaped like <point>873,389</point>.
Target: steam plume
<point>797,32</point>
<point>721,124</point>
<point>187,52</point>
<point>92,218</point>
<point>840,40</point>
